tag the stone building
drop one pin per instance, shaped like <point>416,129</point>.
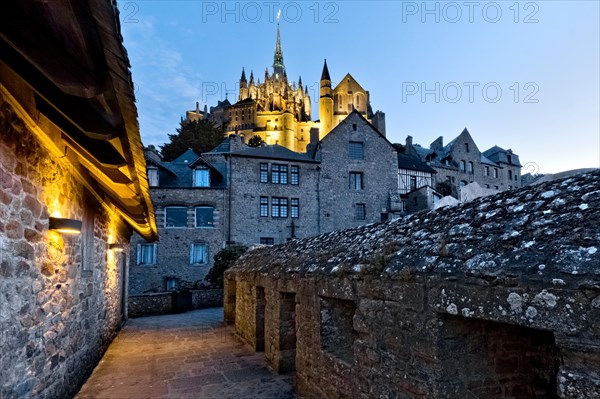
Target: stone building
<point>73,188</point>
<point>265,195</point>
<point>496,298</point>
<point>279,111</point>
<point>460,162</point>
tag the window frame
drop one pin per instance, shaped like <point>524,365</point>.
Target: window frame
<point>263,173</point>
<point>267,241</point>
<point>470,168</point>
<point>264,207</point>
<point>205,259</point>
<point>139,254</point>
<point>353,179</point>
<point>353,146</point>
<point>195,179</point>
<point>360,211</point>
<point>165,210</point>
<point>211,225</point>
<point>295,175</point>
<point>295,208</point>
<point>155,174</point>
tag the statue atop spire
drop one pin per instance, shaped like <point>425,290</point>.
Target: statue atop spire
<point>278,67</point>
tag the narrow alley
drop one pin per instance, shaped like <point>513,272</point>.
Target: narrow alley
<point>188,355</point>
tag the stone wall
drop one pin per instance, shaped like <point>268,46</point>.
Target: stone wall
<point>248,227</point>
<point>61,296</point>
<point>379,170</point>
<point>162,302</point>
<point>173,249</point>
<point>499,297</point>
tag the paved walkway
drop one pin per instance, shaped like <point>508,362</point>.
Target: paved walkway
<point>189,355</point>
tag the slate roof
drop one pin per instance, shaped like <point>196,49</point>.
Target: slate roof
<point>411,162</point>
<point>274,151</point>
<point>499,155</point>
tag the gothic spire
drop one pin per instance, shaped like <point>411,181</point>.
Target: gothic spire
<point>325,74</point>
<point>278,67</point>
<point>243,78</point>
<point>251,77</point>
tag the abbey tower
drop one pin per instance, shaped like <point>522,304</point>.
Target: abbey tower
<point>279,111</point>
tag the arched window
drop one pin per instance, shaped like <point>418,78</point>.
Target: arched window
<point>463,166</point>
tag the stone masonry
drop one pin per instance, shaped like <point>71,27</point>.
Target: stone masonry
<point>59,309</point>
<point>496,298</point>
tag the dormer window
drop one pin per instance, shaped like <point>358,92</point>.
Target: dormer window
<point>509,158</point>
<point>152,176</point>
<point>201,177</point>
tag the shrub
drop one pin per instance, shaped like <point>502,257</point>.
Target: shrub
<point>223,261</point>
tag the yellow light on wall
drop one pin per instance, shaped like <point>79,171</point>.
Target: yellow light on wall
<point>64,225</point>
<point>115,247</point>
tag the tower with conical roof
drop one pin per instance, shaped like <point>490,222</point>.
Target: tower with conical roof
<point>325,103</point>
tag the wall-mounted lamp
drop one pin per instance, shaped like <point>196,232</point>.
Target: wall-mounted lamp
<point>115,247</point>
<point>65,226</point>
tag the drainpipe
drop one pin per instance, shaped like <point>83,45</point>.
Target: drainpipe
<point>229,188</point>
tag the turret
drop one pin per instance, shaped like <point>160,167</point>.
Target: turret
<point>325,103</point>
<point>243,86</point>
<point>307,105</point>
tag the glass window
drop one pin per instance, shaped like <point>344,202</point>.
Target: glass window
<point>201,178</point>
<point>275,207</point>
<point>413,182</point>
<point>205,216</point>
<point>510,175</point>
<point>356,150</point>
<point>171,284</point>
<point>486,171</point>
<point>152,176</point>
<point>463,166</point>
<point>264,207</point>
<point>467,147</point>
<point>495,173</point>
<point>360,212</point>
<point>283,207</point>
<point>267,240</point>
<point>175,216</point>
<point>295,175</point>
<point>198,254</point>
<point>264,172</point>
<point>295,208</point>
<point>146,254</point>
<point>275,174</point>
<point>356,181</point>
<point>283,175</point>
<point>470,167</point>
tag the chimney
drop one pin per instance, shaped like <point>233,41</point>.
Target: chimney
<point>197,107</point>
<point>437,144</point>
<point>409,142</point>
<point>314,135</point>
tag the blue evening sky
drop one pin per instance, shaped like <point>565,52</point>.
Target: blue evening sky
<point>521,75</point>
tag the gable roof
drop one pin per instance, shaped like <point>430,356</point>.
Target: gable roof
<point>410,162</point>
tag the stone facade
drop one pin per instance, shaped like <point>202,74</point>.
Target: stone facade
<point>460,162</point>
<point>59,309</point>
<point>495,298</point>
<point>348,180</point>
<point>72,190</point>
<point>265,195</point>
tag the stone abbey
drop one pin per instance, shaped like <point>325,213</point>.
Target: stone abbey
<point>279,111</point>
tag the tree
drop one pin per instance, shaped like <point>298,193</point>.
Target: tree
<point>255,141</point>
<point>444,188</point>
<point>201,136</point>
<point>223,261</point>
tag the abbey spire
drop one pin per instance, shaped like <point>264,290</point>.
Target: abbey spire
<point>278,67</point>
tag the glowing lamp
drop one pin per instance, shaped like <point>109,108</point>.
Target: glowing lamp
<point>115,247</point>
<point>64,225</point>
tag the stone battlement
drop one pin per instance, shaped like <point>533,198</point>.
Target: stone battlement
<point>499,297</point>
